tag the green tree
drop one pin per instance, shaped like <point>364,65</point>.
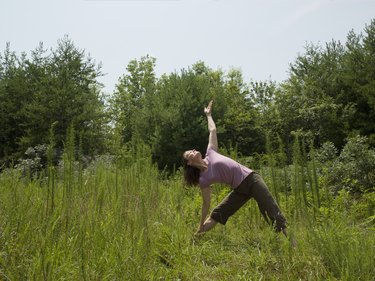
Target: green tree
<point>359,79</point>
<point>60,87</point>
<point>310,100</point>
<point>240,121</point>
<point>14,95</point>
<point>65,89</point>
<point>179,122</point>
<point>329,94</point>
<point>262,95</point>
<point>167,113</point>
<point>133,92</point>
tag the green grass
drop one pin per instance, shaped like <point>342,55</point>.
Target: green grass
<point>123,222</point>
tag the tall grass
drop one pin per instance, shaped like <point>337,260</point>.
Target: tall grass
<point>118,219</point>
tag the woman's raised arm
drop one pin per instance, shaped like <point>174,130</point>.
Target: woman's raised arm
<point>212,139</point>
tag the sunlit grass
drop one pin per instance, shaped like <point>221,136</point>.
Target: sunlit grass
<point>120,221</point>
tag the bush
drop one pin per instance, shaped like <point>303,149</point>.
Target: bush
<point>35,160</point>
<point>354,169</point>
<point>328,152</point>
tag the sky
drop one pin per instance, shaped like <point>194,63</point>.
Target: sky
<point>261,38</point>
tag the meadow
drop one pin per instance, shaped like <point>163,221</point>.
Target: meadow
<point>123,219</point>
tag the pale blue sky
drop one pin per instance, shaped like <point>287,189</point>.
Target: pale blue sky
<point>259,37</point>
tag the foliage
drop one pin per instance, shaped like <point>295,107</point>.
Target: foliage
<point>328,97</point>
<point>121,217</point>
<point>354,169</point>
<point>359,77</point>
<point>35,160</point>
<point>167,113</point>
<point>326,153</point>
<point>329,94</point>
<point>61,88</point>
<point>119,220</point>
<point>131,95</point>
<point>241,119</point>
<point>308,100</point>
<point>179,122</point>
<point>341,248</point>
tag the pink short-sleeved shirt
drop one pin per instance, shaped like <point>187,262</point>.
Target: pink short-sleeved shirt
<point>222,169</point>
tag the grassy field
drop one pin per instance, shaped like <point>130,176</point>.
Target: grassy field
<point>123,221</point>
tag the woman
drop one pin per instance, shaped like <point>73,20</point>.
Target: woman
<point>244,182</point>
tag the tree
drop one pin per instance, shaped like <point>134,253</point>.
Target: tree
<point>310,101</point>
<point>12,100</point>
<point>66,91</point>
<point>133,92</point>
<point>179,122</point>
<point>359,79</point>
<point>240,121</point>
<point>330,92</point>
<point>60,87</point>
<point>262,95</point>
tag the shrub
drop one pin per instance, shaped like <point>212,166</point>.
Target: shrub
<point>328,152</point>
<point>34,161</point>
<point>354,169</point>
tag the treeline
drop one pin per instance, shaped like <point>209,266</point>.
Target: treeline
<point>328,97</point>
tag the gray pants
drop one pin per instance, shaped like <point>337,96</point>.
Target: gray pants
<point>252,186</point>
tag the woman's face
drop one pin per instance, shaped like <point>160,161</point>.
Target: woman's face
<point>192,156</point>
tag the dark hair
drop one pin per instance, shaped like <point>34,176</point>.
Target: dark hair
<point>191,174</point>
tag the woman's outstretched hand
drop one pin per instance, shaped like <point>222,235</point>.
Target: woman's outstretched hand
<point>208,109</point>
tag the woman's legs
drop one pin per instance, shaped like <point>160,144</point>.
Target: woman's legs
<point>228,207</point>
<point>209,224</point>
<point>267,204</point>
<point>253,186</point>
